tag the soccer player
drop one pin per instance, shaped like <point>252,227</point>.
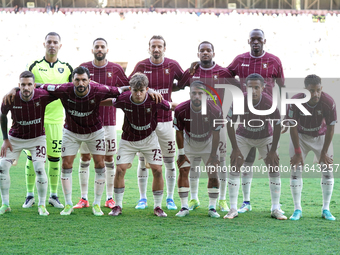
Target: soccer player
<point>312,133</point>
<point>110,74</point>
<point>27,132</point>
<point>49,69</point>
<point>210,73</point>
<point>161,72</point>
<point>140,122</point>
<point>258,134</point>
<point>197,136</point>
<point>270,68</point>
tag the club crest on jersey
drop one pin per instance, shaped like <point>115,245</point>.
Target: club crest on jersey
<point>109,75</point>
<point>37,104</point>
<point>319,112</point>
<point>92,101</point>
<point>265,65</point>
<point>60,69</point>
<point>148,110</point>
<point>215,76</point>
<point>206,119</point>
<point>167,71</point>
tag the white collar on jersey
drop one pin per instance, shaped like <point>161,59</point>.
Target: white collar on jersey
<point>194,110</point>
<point>147,94</point>
<point>156,64</point>
<point>258,102</point>
<point>259,56</point>
<point>210,68</point>
<point>88,92</point>
<point>28,100</point>
<point>100,66</point>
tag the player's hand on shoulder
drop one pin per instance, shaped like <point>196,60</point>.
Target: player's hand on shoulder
<point>155,96</point>
<point>6,144</point>
<point>181,160</point>
<point>193,67</point>
<point>9,97</point>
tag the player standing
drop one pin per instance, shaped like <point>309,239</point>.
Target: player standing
<point>161,73</point>
<point>27,132</point>
<point>210,73</point>
<point>258,134</point>
<point>49,69</point>
<point>196,136</point>
<point>138,135</point>
<point>313,133</point>
<point>270,68</point>
<point>110,74</point>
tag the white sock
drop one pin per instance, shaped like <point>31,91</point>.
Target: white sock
<point>5,181</point>
<point>327,189</point>
<point>110,177</point>
<point>66,183</point>
<point>157,197</point>
<point>183,193</point>
<point>41,181</point>
<point>275,191</point>
<point>119,193</point>
<point>99,184</point>
<point>223,177</point>
<point>142,175</point>
<point>170,176</point>
<point>213,195</point>
<point>246,178</point>
<point>84,174</point>
<point>296,189</point>
<point>233,187</point>
<point>194,176</point>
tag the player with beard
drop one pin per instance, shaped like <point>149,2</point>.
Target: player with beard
<point>209,73</point>
<point>270,68</point>
<point>312,133</point>
<point>110,74</point>
<point>161,72</point>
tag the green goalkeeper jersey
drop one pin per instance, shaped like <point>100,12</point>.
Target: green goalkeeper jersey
<point>53,73</point>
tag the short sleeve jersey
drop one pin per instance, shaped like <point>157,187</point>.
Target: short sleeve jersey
<point>82,113</point>
<point>28,116</point>
<point>210,76</point>
<point>53,73</point>
<point>110,74</point>
<point>161,78</point>
<point>268,66</point>
<point>256,126</point>
<point>195,125</point>
<point>323,114</point>
<point>140,120</point>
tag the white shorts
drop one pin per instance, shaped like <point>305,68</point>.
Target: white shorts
<point>222,146</point>
<point>166,138</point>
<point>71,142</point>
<point>149,147</point>
<point>37,147</point>
<point>110,142</point>
<point>309,143</point>
<point>263,145</point>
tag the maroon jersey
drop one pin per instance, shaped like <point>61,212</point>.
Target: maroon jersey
<point>260,130</point>
<point>267,65</point>
<point>110,74</point>
<point>210,76</point>
<point>140,120</point>
<point>323,114</point>
<point>161,78</point>
<point>82,113</point>
<point>197,126</point>
<point>28,117</point>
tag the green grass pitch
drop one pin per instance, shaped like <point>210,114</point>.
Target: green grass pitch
<point>23,231</point>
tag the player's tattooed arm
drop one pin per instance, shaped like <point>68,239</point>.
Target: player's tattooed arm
<point>182,158</point>
<point>324,158</point>
<point>213,158</point>
<point>272,158</point>
<point>6,144</point>
<point>236,157</point>
<point>297,158</point>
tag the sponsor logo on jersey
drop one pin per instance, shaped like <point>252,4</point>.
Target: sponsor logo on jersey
<point>167,71</point>
<point>79,114</point>
<point>147,71</point>
<point>42,69</point>
<point>162,91</point>
<point>60,69</point>
<point>17,107</point>
<point>185,119</point>
<point>30,122</point>
<point>141,127</point>
<point>69,100</point>
<point>196,77</point>
<point>91,74</point>
<point>51,88</point>
<point>129,110</point>
<point>264,65</point>
<point>245,65</point>
<point>109,75</point>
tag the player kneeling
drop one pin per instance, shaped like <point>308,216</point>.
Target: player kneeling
<point>197,136</point>
<point>138,136</point>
